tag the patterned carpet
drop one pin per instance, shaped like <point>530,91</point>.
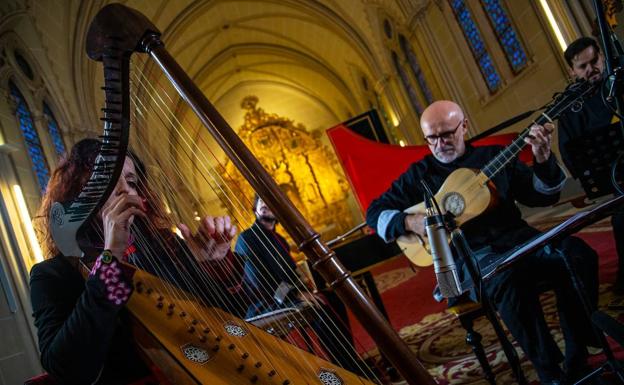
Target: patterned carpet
<point>439,340</point>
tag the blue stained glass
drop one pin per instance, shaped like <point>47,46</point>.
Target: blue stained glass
<point>506,35</point>
<point>54,131</point>
<point>416,70</point>
<point>489,72</point>
<point>33,144</point>
<point>477,46</point>
<point>413,96</point>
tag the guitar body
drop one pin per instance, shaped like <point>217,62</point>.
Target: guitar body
<point>465,193</point>
<point>193,344</point>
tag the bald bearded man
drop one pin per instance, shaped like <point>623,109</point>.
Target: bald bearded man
<point>514,292</point>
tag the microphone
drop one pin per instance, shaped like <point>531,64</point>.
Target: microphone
<point>443,261</point>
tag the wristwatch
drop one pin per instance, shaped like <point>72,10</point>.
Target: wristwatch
<point>107,256</point>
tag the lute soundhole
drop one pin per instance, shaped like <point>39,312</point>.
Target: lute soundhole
<point>454,203</point>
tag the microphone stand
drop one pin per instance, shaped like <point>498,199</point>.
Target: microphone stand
<point>612,61</point>
<point>614,70</point>
<point>581,293</point>
<point>613,67</point>
<point>465,253</point>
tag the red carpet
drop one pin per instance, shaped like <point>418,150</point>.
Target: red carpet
<point>406,303</point>
<point>438,339</point>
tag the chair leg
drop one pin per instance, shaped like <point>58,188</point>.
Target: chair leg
<point>473,339</point>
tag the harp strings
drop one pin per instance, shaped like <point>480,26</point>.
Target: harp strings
<point>206,280</point>
<point>190,152</point>
<point>227,195</point>
<point>160,114</point>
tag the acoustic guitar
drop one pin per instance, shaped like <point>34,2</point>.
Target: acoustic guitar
<point>467,193</point>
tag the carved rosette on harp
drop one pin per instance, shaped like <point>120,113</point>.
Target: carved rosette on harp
<point>216,342</point>
<point>188,341</point>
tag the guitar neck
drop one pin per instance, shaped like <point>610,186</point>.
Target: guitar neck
<point>511,152</point>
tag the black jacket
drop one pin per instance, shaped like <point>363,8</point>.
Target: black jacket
<point>594,115</point>
<point>502,227</point>
<point>80,335</point>
<point>268,263</point>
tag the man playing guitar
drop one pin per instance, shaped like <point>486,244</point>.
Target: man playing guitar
<point>514,292</point>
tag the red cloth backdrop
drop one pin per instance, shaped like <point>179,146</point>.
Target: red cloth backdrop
<point>371,167</point>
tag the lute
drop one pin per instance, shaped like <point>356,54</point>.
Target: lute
<point>467,193</point>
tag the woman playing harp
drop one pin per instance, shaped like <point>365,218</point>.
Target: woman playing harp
<point>79,332</point>
<point>199,344</point>
<point>80,336</point>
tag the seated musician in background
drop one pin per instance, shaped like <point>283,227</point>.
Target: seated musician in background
<point>271,282</point>
<point>79,322</point>
<point>514,291</point>
<point>586,61</point>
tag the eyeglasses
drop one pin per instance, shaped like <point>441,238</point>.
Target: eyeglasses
<point>433,139</point>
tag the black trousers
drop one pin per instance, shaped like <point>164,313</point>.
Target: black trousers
<point>515,294</point>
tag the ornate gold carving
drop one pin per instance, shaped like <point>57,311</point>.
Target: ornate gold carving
<point>304,168</point>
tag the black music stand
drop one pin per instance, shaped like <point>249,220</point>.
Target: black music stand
<point>557,233</point>
<point>592,156</point>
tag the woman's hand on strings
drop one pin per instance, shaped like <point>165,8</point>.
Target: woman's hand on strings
<point>117,216</point>
<point>213,238</point>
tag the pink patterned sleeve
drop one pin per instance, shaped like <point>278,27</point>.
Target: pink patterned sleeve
<point>115,277</point>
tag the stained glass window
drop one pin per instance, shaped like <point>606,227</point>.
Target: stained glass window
<point>477,46</point>
<point>411,92</point>
<point>506,34</point>
<point>54,131</point>
<point>416,70</point>
<point>33,144</point>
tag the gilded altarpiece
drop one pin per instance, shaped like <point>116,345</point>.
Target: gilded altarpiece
<point>304,168</point>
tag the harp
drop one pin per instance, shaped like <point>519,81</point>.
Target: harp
<point>189,342</point>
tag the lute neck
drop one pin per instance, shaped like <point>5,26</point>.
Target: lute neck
<point>511,152</point>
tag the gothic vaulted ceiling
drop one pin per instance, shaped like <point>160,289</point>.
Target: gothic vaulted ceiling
<point>302,59</point>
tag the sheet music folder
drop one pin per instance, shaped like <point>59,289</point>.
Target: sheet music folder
<point>568,227</point>
<point>592,156</point>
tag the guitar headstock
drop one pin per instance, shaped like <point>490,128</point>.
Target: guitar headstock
<point>572,98</point>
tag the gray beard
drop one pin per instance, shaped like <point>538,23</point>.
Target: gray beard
<point>445,158</point>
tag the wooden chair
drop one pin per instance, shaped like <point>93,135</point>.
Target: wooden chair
<point>467,311</point>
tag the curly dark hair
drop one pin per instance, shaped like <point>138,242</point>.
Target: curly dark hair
<point>70,177</point>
